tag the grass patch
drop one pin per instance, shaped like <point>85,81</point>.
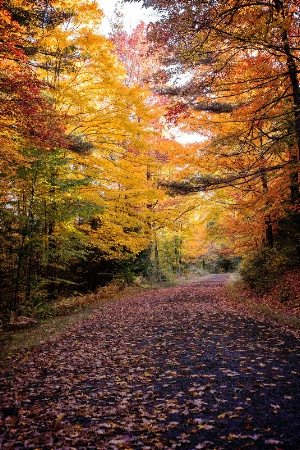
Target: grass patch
<point>65,314</point>
<point>14,342</point>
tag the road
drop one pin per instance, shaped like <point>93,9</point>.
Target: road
<point>173,368</point>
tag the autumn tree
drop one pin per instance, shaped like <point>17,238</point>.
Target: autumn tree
<point>165,214</point>
<point>31,132</point>
<point>241,63</point>
<point>113,141</point>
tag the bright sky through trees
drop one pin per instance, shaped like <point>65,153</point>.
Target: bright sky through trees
<point>133,14</point>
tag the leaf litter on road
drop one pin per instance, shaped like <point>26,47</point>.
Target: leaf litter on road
<point>174,368</point>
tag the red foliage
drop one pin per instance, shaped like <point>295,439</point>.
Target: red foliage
<point>25,108</point>
<point>177,111</point>
<point>287,290</point>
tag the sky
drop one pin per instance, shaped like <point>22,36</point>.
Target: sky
<point>133,14</point>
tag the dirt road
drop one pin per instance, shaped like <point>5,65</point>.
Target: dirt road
<point>174,368</point>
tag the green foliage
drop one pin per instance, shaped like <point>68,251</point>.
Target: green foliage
<point>38,237</point>
<point>165,257</point>
<point>221,264</point>
<point>263,268</point>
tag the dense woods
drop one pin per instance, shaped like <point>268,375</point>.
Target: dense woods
<point>95,185</point>
<point>240,63</point>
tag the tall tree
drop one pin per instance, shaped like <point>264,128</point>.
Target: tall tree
<point>216,41</point>
<point>241,63</point>
<point>31,132</point>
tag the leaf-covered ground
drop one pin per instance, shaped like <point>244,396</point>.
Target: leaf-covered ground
<point>174,368</point>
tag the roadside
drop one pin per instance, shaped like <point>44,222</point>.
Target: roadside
<point>77,309</point>
<point>285,315</point>
<point>70,311</point>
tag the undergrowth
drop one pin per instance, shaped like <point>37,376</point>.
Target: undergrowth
<point>280,303</point>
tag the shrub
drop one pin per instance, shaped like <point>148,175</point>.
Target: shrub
<point>262,270</point>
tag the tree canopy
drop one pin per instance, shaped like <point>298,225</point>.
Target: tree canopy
<point>238,68</point>
<point>94,181</point>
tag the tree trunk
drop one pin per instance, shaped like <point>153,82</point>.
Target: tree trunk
<point>269,232</point>
<point>293,75</point>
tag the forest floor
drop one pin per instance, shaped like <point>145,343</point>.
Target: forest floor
<point>181,367</point>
